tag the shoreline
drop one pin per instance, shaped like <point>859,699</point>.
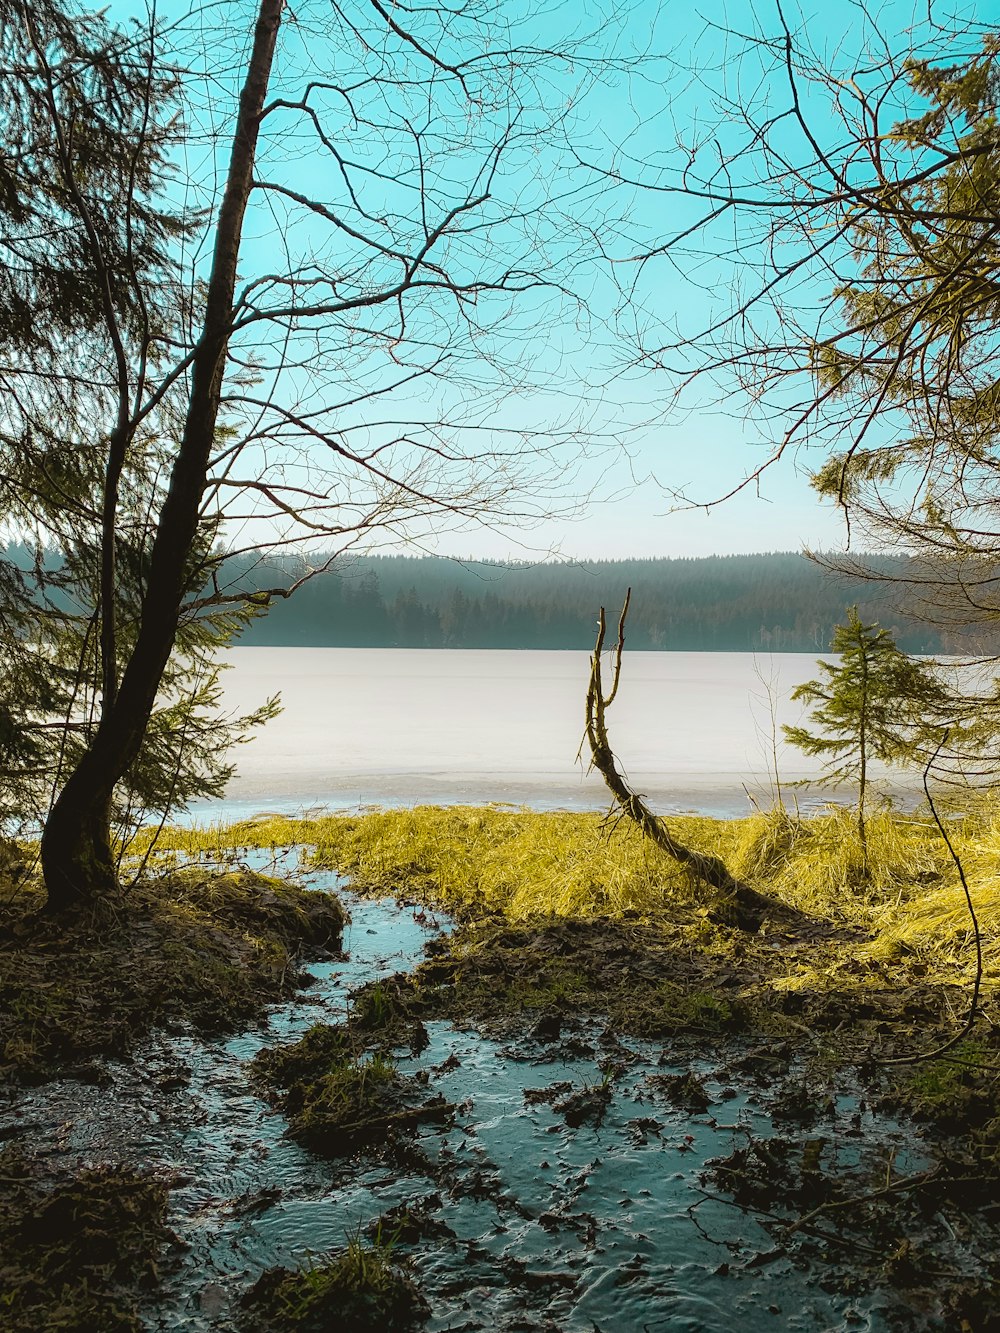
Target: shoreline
<point>247,799</point>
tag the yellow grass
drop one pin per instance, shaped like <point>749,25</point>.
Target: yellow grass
<point>524,864</point>
<point>517,862</point>
<point>222,840</point>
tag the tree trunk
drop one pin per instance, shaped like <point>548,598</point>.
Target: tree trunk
<point>738,904</point>
<point>77,858</point>
<point>863,752</point>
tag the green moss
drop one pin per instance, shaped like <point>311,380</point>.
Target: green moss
<point>212,951</point>
<point>78,1251</point>
<point>337,1098</point>
<point>354,1290</point>
<point>644,976</point>
<point>957,1093</point>
<point>938,1083</point>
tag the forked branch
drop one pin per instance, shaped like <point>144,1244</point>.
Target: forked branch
<point>741,905</point>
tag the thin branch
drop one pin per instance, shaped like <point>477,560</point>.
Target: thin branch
<point>970,1022</point>
<point>747,905</point>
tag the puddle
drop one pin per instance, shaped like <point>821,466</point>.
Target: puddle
<point>525,1222</point>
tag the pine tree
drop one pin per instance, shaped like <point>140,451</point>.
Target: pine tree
<point>875,703</point>
<point>50,682</point>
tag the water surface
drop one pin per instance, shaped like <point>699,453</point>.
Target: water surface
<point>545,1226</point>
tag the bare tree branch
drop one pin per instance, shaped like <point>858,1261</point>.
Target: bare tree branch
<point>739,904</point>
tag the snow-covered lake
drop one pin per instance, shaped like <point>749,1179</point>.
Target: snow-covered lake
<point>693,731</point>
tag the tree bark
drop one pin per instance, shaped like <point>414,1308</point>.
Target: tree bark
<point>863,757</point>
<point>77,859</point>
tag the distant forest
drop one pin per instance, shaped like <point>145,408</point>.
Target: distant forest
<point>777,603</point>
<point>739,603</point>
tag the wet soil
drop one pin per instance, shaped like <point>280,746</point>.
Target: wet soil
<point>345,1291</point>
<point>191,949</point>
<point>679,977</point>
<point>520,1113</point>
<point>78,1249</point>
<point>563,991</point>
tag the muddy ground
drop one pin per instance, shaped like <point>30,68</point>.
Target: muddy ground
<point>86,1248</point>
<point>185,952</point>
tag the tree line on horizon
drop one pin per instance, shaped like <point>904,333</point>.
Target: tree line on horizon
<point>776,602</point>
<point>760,602</point>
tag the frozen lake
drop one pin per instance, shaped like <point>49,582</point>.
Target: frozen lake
<point>360,726</point>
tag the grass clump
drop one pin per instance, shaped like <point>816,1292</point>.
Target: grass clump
<point>381,1019</point>
<point>819,865</point>
<point>337,1098</point>
<point>482,860</point>
<point>354,1290</point>
<point>209,951</point>
<point>220,842</point>
<point>901,892</point>
<point>80,1251</point>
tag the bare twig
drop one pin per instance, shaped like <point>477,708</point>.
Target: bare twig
<point>970,1022</point>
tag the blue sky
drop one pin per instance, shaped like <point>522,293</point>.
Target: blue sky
<point>645,450</point>
<point>631,515</point>
<point>713,438</point>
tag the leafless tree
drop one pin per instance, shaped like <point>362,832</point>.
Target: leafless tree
<point>840,218</point>
<point>317,341</point>
<point>835,217</point>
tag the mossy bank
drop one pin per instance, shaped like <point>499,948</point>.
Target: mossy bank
<point>189,948</point>
<point>81,1249</point>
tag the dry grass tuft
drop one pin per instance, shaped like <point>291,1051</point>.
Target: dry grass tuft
<point>520,863</point>
<point>524,864</point>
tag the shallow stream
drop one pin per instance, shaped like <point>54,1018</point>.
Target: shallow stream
<point>529,1223</point>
